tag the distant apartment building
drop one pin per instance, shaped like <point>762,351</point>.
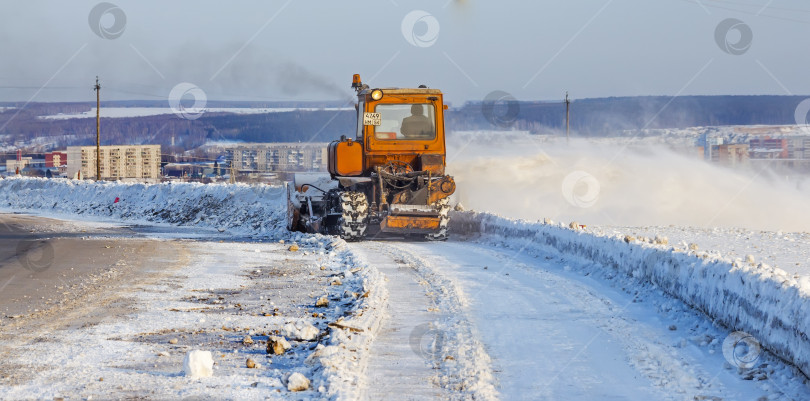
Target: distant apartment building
<point>118,162</point>
<point>798,148</point>
<point>55,159</point>
<point>768,148</point>
<point>789,152</point>
<point>731,155</point>
<point>278,157</point>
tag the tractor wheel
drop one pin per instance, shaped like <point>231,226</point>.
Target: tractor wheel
<point>354,215</point>
<point>444,221</point>
<point>293,214</point>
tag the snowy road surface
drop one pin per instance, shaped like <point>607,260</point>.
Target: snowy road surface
<point>119,327</point>
<point>553,330</point>
<point>481,318</point>
<point>407,374</point>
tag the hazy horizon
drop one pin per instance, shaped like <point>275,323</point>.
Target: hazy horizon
<point>294,51</point>
<point>212,102</point>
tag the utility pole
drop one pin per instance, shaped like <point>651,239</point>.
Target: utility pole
<point>97,88</point>
<point>567,117</point>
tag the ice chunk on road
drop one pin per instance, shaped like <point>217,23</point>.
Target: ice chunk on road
<point>198,364</point>
<point>297,382</point>
<point>301,331</point>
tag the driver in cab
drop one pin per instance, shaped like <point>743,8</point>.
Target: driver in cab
<point>417,126</point>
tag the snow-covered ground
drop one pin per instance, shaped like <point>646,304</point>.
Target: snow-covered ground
<point>561,327</point>
<point>40,144</point>
<point>517,310</point>
<point>212,295</point>
<point>122,112</point>
<point>737,292</point>
<point>200,295</point>
<point>789,251</point>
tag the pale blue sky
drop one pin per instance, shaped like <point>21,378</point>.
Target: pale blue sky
<point>307,50</point>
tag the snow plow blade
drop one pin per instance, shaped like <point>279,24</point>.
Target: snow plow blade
<point>410,224</point>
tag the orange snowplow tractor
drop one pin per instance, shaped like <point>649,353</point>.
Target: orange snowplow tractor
<point>349,158</point>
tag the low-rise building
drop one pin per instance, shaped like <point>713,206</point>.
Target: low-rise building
<point>14,165</point>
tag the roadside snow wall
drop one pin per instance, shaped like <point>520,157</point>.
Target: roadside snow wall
<point>238,208</point>
<point>763,301</point>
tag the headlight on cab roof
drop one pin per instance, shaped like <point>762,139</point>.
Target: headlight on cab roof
<point>376,94</point>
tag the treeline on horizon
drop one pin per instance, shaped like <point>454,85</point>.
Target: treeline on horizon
<point>611,116</point>
<point>589,117</point>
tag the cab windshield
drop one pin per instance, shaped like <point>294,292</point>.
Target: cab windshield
<point>410,121</point>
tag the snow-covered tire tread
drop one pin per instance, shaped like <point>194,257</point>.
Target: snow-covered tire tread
<point>354,215</point>
<point>444,221</point>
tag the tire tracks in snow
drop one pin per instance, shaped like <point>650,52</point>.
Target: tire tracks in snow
<point>427,348</point>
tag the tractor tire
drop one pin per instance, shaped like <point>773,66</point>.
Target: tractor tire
<point>444,221</point>
<point>354,216</point>
<point>293,214</point>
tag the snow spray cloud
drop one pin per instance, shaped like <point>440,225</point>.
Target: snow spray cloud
<point>518,175</point>
<point>420,28</point>
<point>723,33</point>
<point>741,350</point>
<point>572,189</point>
<point>426,341</point>
<point>97,25</point>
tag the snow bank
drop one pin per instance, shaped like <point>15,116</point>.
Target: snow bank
<point>766,302</point>
<point>360,301</point>
<point>238,208</point>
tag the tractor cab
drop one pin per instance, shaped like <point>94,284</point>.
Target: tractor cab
<point>403,126</point>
